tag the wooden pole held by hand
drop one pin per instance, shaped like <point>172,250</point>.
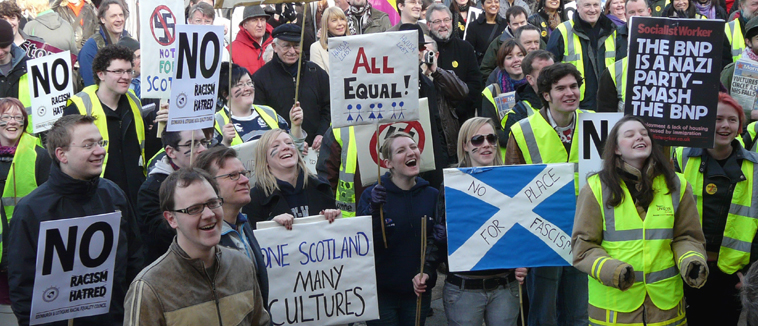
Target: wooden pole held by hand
<point>379,177</point>
<point>421,269</point>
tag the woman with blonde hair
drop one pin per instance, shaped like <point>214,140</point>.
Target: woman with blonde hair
<point>49,25</point>
<point>284,187</point>
<point>333,24</point>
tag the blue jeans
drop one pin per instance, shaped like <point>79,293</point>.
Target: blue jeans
<point>395,310</point>
<point>557,296</point>
<point>472,307</point>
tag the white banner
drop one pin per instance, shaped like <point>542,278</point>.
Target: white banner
<point>75,267</point>
<point>320,273</point>
<point>157,45</point>
<point>366,85</point>
<point>50,85</point>
<point>366,141</point>
<point>195,86</point>
<point>593,132</point>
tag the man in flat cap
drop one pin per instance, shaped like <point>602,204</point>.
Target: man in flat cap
<point>275,84</point>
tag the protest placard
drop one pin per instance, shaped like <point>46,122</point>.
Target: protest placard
<point>745,84</point>
<point>50,84</point>
<point>505,103</point>
<point>320,273</point>
<point>157,44</point>
<point>366,86</point>
<point>194,88</point>
<point>509,216</point>
<point>246,155</point>
<point>366,141</point>
<point>673,78</point>
<point>311,158</point>
<point>75,267</point>
<point>593,132</point>
<point>35,49</point>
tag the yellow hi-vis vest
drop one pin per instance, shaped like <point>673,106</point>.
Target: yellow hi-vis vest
<point>619,78</point>
<point>752,130</point>
<point>26,99</point>
<point>734,34</point>
<point>742,219</point>
<point>646,245</point>
<point>540,143</point>
<point>345,136</point>
<point>88,103</point>
<point>487,93</point>
<point>23,165</point>
<point>267,114</point>
<point>572,51</point>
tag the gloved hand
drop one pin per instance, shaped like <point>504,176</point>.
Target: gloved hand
<point>289,12</point>
<point>697,274</point>
<point>626,278</point>
<point>378,197</point>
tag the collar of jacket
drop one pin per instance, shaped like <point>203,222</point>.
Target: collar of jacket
<point>606,26</point>
<point>18,55</point>
<point>312,180</point>
<point>64,184</point>
<point>741,152</point>
<point>196,263</point>
<point>391,187</point>
<point>281,64</point>
<point>543,13</point>
<point>107,37</point>
<point>482,19</point>
<point>244,36</point>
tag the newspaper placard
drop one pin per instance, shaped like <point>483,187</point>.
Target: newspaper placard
<point>320,273</point>
<point>157,44</point>
<point>374,78</point>
<point>194,89</point>
<point>72,282</point>
<point>420,130</point>
<point>50,85</point>
<point>673,78</point>
<point>35,49</point>
<point>505,103</point>
<point>593,133</point>
<point>745,83</point>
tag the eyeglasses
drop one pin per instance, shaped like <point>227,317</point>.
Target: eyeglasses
<point>203,142</point>
<point>88,146</point>
<point>438,21</point>
<point>247,83</point>
<point>234,176</point>
<point>198,208</point>
<point>120,72</point>
<point>478,140</point>
<point>6,118</point>
<point>287,46</point>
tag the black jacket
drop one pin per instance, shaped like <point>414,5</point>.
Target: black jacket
<point>480,34</point>
<point>441,159</point>
<point>155,231</point>
<point>458,56</point>
<point>265,208</point>
<point>9,83</point>
<point>540,20</point>
<point>63,197</point>
<point>275,87</point>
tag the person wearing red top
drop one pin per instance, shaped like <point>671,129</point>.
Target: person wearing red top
<point>253,38</point>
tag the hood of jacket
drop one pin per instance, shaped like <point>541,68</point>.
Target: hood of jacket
<point>244,36</point>
<point>162,167</point>
<point>72,188</point>
<point>49,19</point>
<point>420,185</point>
<point>18,55</point>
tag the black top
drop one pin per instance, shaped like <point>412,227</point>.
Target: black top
<point>480,34</point>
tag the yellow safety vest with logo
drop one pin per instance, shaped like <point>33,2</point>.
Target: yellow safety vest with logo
<point>734,34</point>
<point>572,51</point>
<point>620,75</point>
<point>345,197</point>
<point>741,221</point>
<point>540,144</point>
<point>26,99</point>
<point>487,93</point>
<point>267,114</point>
<point>88,103</point>
<point>646,245</point>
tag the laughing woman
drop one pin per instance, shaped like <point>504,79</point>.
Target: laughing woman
<point>284,187</point>
<point>636,208</point>
<point>406,199</point>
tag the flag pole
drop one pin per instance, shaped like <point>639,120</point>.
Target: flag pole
<point>300,53</point>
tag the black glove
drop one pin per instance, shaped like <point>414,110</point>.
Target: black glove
<point>289,13</point>
<point>269,10</point>
<point>378,197</point>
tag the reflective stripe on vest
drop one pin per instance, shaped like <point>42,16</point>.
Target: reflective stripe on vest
<point>540,144</point>
<point>345,196</point>
<point>734,34</point>
<point>628,238</point>
<point>742,219</point>
<point>266,113</point>
<point>572,51</point>
<point>23,164</point>
<point>88,103</point>
<point>620,75</point>
<point>26,99</point>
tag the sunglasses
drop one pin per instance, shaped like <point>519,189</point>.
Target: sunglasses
<point>478,140</point>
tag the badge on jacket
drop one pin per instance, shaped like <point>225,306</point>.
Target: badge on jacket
<point>711,188</point>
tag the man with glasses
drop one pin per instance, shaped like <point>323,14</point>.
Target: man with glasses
<point>117,113</point>
<point>234,186</point>
<point>73,189</point>
<point>177,287</point>
<point>410,13</point>
<point>179,147</point>
<point>275,85</point>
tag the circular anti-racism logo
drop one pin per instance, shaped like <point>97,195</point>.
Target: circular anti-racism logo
<point>163,25</point>
<point>50,294</point>
<point>181,100</point>
<point>41,111</point>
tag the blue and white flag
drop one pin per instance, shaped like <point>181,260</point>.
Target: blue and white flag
<point>509,216</point>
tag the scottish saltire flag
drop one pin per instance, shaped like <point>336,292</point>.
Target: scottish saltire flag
<point>509,216</point>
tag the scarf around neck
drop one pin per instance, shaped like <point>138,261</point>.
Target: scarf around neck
<point>361,15</point>
<point>750,54</point>
<point>508,84</point>
<point>706,9</point>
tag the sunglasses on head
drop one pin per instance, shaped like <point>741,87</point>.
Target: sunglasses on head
<point>478,140</point>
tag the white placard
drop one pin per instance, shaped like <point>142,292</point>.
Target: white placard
<point>593,131</point>
<point>246,155</point>
<point>50,85</point>
<point>745,84</point>
<point>310,160</point>
<point>195,86</point>
<point>374,78</point>
<point>157,44</point>
<point>368,156</point>
<point>324,271</point>
<point>75,282</point>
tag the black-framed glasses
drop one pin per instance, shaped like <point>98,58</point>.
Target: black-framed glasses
<point>234,176</point>
<point>88,146</point>
<point>478,140</point>
<point>196,209</point>
<point>204,142</point>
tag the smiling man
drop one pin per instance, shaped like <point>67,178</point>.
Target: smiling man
<point>197,282</point>
<point>112,16</point>
<point>557,295</point>
<point>410,13</point>
<point>73,189</point>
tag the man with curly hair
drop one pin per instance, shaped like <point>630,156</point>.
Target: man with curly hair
<point>118,117</point>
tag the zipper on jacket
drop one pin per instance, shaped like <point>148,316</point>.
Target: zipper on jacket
<point>215,295</point>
